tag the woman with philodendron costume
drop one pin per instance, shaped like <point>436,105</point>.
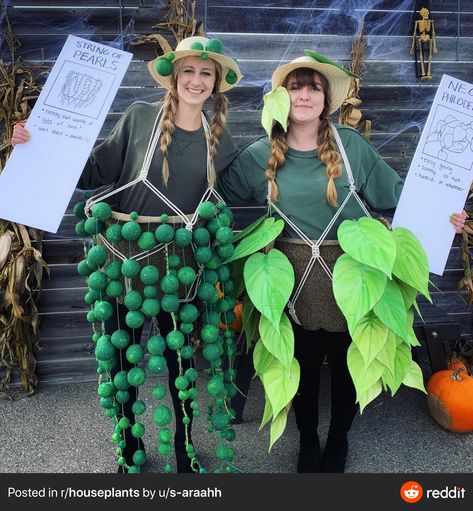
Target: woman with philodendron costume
<point>305,172</point>
<point>179,152</point>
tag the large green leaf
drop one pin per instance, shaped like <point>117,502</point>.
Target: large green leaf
<point>411,335</point>
<point>369,395</point>
<point>368,242</point>
<point>276,107</point>
<point>411,265</point>
<point>356,288</point>
<point>391,310</point>
<point>262,358</point>
<point>364,377</point>
<point>281,385</point>
<point>250,228</point>
<point>370,336</point>
<point>269,280</point>
<point>408,292</point>
<point>414,377</point>
<point>280,344</point>
<point>388,354</point>
<point>250,320</point>
<point>277,427</point>
<point>402,364</point>
<point>267,414</point>
<point>264,234</point>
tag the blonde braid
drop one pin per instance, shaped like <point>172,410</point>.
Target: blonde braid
<point>167,125</point>
<point>217,126</point>
<point>328,154</point>
<point>276,159</point>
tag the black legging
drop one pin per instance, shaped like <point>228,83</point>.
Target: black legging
<point>311,347</point>
<point>117,321</point>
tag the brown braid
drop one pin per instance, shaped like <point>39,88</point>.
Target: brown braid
<point>276,159</point>
<point>328,154</point>
<point>167,125</point>
<point>217,126</point>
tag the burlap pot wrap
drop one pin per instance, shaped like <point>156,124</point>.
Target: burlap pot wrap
<point>315,307</point>
<point>158,259</point>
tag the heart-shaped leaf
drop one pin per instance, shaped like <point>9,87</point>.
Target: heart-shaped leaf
<point>277,427</point>
<point>280,344</point>
<point>262,358</point>
<point>391,310</point>
<point>369,336</point>
<point>276,108</point>
<point>280,384</point>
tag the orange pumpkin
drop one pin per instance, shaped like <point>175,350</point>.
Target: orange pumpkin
<point>237,325</point>
<point>450,398</point>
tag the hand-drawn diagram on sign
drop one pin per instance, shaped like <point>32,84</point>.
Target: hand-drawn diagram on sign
<point>440,174</point>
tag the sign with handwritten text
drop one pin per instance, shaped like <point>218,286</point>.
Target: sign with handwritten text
<point>440,174</point>
<point>40,176</point>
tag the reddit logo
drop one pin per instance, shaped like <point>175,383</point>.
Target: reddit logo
<point>411,492</point>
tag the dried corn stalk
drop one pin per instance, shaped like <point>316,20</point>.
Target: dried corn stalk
<point>21,262</point>
<point>350,113</point>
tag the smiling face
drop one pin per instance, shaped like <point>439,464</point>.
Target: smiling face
<point>308,92</point>
<point>195,80</point>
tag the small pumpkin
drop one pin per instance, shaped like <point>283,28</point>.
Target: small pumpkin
<point>450,398</point>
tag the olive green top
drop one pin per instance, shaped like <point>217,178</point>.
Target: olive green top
<point>302,183</point>
<point>119,158</point>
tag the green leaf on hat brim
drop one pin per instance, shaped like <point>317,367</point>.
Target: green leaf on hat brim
<point>324,60</point>
<point>276,108</point>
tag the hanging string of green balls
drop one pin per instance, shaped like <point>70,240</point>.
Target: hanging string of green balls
<point>107,275</point>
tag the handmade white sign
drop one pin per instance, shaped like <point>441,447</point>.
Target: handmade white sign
<point>40,176</point>
<point>440,174</point>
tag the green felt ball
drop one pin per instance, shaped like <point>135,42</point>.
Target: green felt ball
<point>231,77</point>
<point>80,229</point>
<point>139,458</point>
<point>108,365</point>
<point>150,291</point>
<point>102,211</point>
<point>135,353</point>
<point>104,349</point>
<point>231,390</point>
<point>159,392</point>
<point>186,328</point>
<point>91,317</point>
<point>211,318</point>
<point>225,251</point>
<point>188,313</point>
<point>111,412</point>
<point>224,305</point>
<point>164,233</point>
<point>175,340</point>
<point>133,300</point>
<point>169,283</point>
<point>138,430</point>
<point>195,405</point>
<point>174,261</point>
<point>224,220</point>
<point>170,303</point>
<point>206,292</point>
<point>191,374</point>
<point>83,268</point>
<point>157,364</point>
<point>197,46</point>
<point>97,281</point>
<point>149,274</point>
<point>214,45</point>
<point>164,67</point>
<point>134,319</point>
<point>223,273</point>
<point>131,268</point>
<point>164,449</point>
<point>204,55</point>
<point>120,380</point>
<point>151,307</point>
<point>209,334</point>
<point>106,402</point>
<point>156,345</point>
<point>187,352</point>
<point>113,270</point>
<point>93,226</point>
<point>181,383</point>
<point>193,393</point>
<point>124,423</point>
<point>131,231</point>
<point>95,337</point>
<point>216,387</point>
<point>212,352</point>
<point>224,235</point>
<point>214,262</point>
<point>147,241</point>
<point>165,435</point>
<point>115,288</point>
<point>212,226</point>
<point>103,310</point>
<point>228,212</point>
<point>114,233</point>
<point>186,276</point>
<point>136,376</point>
<point>201,237</point>
<point>106,390</point>
<point>122,396</point>
<point>210,276</point>
<point>186,420</point>
<point>138,407</point>
<point>220,421</point>
<point>203,255</point>
<point>221,452</point>
<point>120,339</point>
<point>167,468</point>
<point>183,237</point>
<point>78,210</point>
<point>183,395</point>
<point>207,210</point>
<point>162,415</point>
<point>229,435</point>
<point>228,287</point>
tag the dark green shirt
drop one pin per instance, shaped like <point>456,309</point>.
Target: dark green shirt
<point>302,183</point>
<point>119,158</point>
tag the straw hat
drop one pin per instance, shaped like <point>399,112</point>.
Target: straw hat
<point>338,77</point>
<point>161,68</point>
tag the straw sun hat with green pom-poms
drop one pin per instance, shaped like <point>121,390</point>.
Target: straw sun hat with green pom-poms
<point>162,67</point>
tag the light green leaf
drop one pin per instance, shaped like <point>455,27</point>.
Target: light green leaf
<point>269,280</point>
<point>250,228</point>
<point>267,414</point>
<point>369,242</point>
<point>277,427</point>
<point>387,355</point>
<point>370,336</point>
<point>280,344</point>
<point>411,335</point>
<point>264,234</point>
<point>281,385</point>
<point>372,393</point>
<point>364,377</point>
<point>414,377</point>
<point>411,265</point>
<point>391,310</point>
<point>408,292</point>
<point>276,107</point>
<point>356,288</point>
<point>262,358</point>
<point>250,320</point>
<point>402,364</point>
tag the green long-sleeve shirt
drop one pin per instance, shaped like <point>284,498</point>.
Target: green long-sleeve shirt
<point>302,182</point>
<point>119,158</point>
